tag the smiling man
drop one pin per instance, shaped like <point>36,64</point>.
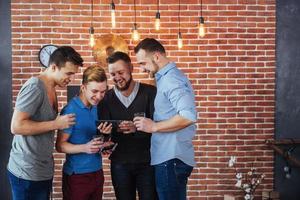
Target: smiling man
<point>34,121</point>
<point>82,172</point>
<point>130,162</point>
<point>173,128</point>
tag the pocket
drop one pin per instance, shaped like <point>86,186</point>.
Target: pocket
<point>182,172</point>
<point>161,175</point>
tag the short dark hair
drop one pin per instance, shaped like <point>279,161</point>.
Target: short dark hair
<point>65,54</point>
<point>118,55</point>
<point>150,45</point>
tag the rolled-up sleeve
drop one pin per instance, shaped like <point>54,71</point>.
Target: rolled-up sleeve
<point>182,98</point>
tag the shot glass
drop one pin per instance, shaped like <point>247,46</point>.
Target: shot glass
<point>139,114</point>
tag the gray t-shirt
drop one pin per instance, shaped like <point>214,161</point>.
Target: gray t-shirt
<point>31,156</point>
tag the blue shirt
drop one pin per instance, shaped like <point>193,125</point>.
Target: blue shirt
<point>81,133</point>
<point>174,96</point>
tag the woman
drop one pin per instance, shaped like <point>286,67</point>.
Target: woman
<point>82,172</point>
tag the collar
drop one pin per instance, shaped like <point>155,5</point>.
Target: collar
<point>80,103</point>
<point>164,70</point>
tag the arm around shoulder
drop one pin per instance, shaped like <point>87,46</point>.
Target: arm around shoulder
<point>21,124</point>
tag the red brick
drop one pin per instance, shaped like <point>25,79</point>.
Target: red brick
<point>232,70</point>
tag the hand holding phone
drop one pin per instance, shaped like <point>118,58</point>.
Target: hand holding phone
<point>110,147</point>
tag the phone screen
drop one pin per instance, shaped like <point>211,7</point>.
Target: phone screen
<point>115,123</point>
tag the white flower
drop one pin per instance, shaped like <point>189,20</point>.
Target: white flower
<point>247,196</point>
<point>232,161</point>
<point>239,175</point>
<point>238,183</point>
<point>248,190</point>
<point>246,185</point>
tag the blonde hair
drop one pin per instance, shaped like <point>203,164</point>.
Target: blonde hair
<point>93,73</point>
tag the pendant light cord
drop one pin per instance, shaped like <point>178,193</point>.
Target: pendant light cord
<point>92,14</point>
<point>201,8</point>
<point>179,16</point>
<point>134,12</point>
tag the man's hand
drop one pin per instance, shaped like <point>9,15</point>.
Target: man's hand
<point>108,151</point>
<point>93,146</point>
<point>64,121</point>
<point>127,127</point>
<point>144,124</point>
<point>105,128</point>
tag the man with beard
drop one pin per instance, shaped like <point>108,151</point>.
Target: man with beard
<point>130,161</point>
<point>173,127</point>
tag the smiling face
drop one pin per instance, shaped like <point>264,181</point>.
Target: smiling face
<point>64,74</point>
<point>146,61</point>
<point>93,92</point>
<point>120,73</point>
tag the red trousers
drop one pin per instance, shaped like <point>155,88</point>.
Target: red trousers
<point>87,186</point>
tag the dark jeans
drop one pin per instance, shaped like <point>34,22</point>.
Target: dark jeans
<point>88,186</point>
<point>127,178</point>
<point>171,179</point>
<point>29,190</point>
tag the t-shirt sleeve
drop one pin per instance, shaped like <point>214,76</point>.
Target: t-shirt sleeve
<point>29,99</point>
<point>68,110</point>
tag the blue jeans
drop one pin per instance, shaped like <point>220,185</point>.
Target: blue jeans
<point>127,178</point>
<point>29,190</point>
<point>171,179</point>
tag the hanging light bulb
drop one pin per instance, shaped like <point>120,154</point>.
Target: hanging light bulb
<point>157,21</point>
<point>92,37</point>
<point>113,14</point>
<point>135,34</point>
<point>201,27</point>
<point>92,31</point>
<point>179,41</point>
<point>157,18</point>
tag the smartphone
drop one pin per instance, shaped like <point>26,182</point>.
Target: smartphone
<point>111,147</point>
<point>115,123</point>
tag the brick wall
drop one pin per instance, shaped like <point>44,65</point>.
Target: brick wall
<point>232,71</point>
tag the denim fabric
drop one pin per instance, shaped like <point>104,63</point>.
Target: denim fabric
<point>127,178</point>
<point>171,179</point>
<point>29,190</point>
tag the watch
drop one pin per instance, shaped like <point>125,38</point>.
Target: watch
<point>44,54</point>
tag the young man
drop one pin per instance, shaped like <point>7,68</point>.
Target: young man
<point>82,172</point>
<point>173,128</point>
<point>130,162</point>
<point>34,121</point>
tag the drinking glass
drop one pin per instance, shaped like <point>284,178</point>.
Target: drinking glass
<point>139,114</point>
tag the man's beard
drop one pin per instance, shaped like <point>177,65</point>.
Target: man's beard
<point>126,86</point>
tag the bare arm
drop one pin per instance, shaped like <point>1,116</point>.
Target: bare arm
<point>21,124</point>
<point>173,124</point>
<point>63,146</point>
